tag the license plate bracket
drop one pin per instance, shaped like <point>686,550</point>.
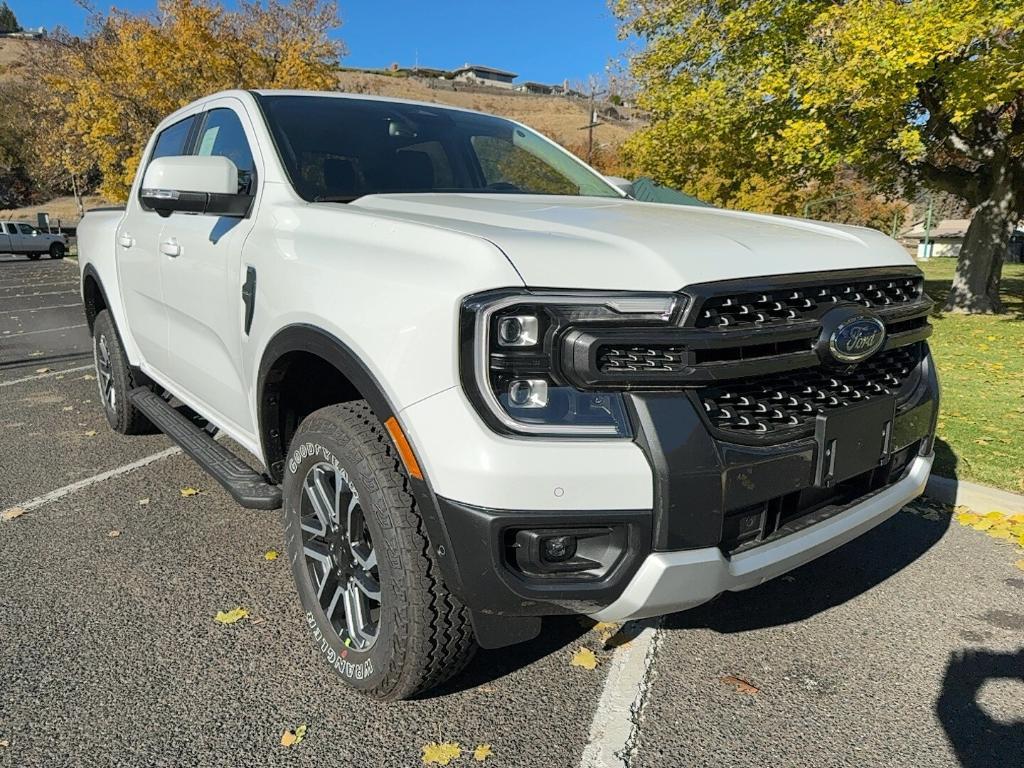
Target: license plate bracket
<point>853,439</point>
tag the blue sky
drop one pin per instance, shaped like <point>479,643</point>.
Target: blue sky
<point>545,40</point>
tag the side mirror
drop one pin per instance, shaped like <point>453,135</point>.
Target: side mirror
<point>624,184</point>
<point>194,184</point>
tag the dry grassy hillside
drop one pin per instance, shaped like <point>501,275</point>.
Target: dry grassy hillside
<point>558,117</point>
<point>12,53</point>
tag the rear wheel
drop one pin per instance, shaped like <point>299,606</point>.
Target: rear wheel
<point>379,613</point>
<point>57,250</point>
<point>115,379</point>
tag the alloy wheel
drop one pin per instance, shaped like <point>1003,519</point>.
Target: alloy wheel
<point>105,375</point>
<point>340,558</point>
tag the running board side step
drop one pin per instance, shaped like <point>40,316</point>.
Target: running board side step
<point>246,486</point>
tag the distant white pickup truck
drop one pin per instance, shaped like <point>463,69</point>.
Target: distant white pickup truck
<point>487,385</point>
<point>20,238</point>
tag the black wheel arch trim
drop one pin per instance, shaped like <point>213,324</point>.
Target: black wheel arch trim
<point>303,337</point>
<point>91,272</point>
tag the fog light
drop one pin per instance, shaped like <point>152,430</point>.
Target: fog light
<point>528,393</point>
<point>558,549</point>
<point>518,331</point>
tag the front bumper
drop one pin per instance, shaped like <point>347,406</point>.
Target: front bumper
<point>674,581</point>
<point>690,515</point>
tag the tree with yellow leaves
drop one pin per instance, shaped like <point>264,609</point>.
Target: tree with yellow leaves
<point>752,99</point>
<point>104,93</point>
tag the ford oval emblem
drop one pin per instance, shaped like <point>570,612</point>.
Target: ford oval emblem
<point>856,339</point>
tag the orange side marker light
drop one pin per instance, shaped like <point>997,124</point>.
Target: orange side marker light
<point>404,449</point>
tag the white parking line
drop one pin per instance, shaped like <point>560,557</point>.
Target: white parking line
<point>44,330</point>
<point>67,490</point>
<point>40,309</point>
<point>44,375</point>
<point>51,284</point>
<point>615,730</point>
<point>34,295</point>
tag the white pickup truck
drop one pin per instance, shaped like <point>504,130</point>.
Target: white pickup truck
<point>17,237</point>
<point>485,384</point>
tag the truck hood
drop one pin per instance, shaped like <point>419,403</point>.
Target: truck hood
<point>620,244</point>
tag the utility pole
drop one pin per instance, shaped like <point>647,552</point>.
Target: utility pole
<point>592,123</point>
<point>928,227</point>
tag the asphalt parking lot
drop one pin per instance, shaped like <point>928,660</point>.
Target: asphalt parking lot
<point>903,648</point>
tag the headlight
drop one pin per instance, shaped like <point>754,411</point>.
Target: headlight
<point>511,360</point>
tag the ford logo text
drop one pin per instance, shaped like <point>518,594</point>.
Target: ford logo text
<point>857,339</point>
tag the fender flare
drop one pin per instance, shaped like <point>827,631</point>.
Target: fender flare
<point>303,337</point>
<point>91,272</point>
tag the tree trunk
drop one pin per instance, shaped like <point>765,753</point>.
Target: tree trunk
<point>979,267</point>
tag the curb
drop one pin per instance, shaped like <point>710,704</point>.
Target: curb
<point>980,498</point>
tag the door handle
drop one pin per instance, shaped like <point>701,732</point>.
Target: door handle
<point>126,240</point>
<point>170,248</point>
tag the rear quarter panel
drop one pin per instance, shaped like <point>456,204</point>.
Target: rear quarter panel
<point>97,252</point>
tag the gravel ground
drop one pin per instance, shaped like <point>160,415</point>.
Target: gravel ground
<point>902,648</point>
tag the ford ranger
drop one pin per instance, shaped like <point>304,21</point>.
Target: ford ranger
<point>485,384</point>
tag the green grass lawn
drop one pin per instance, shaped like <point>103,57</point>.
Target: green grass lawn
<point>980,361</point>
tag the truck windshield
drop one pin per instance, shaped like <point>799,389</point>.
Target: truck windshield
<point>339,149</point>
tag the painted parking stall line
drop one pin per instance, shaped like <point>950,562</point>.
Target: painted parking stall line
<point>45,330</point>
<point>615,730</point>
<point>67,490</point>
<point>47,375</point>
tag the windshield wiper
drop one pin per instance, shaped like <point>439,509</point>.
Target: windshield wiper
<point>336,198</point>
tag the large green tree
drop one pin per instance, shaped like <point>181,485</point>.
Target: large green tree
<point>753,99</point>
<point>8,21</point>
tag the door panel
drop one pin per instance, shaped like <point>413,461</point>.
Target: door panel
<point>203,281</point>
<point>6,246</point>
<point>138,259</point>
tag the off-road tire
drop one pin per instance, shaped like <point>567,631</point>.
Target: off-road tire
<point>57,250</point>
<point>122,416</point>
<point>424,632</point>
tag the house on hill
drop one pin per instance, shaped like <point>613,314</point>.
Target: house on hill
<point>477,74</point>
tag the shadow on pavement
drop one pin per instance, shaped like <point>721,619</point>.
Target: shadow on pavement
<point>557,633</point>
<point>979,740</point>
<point>829,581</point>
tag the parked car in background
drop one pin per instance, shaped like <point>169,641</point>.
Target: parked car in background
<point>18,237</point>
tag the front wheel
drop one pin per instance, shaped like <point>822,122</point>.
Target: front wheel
<point>367,577</point>
<point>57,250</point>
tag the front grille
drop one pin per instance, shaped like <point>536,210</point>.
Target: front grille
<point>783,404</point>
<point>784,305</point>
<point>637,358</point>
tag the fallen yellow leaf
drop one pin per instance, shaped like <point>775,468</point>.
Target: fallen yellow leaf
<point>995,516</point>
<point>982,525</point>
<point>999,533</point>
<point>441,754</point>
<point>482,752</point>
<point>42,370</point>
<point>967,518</point>
<point>4,743</point>
<point>290,738</point>
<point>585,658</point>
<point>114,534</point>
<point>230,617</point>
<point>742,686</point>
<point>189,491</point>
<point>271,555</point>
<point>1017,519</point>
<point>143,502</point>
<point>1020,563</point>
<point>10,514</point>
<point>91,433</point>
